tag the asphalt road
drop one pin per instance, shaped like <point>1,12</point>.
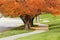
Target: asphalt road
<point>8,23</point>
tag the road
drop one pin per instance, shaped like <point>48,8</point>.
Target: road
<point>7,23</point>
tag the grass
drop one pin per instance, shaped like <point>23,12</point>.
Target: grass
<point>13,32</point>
<point>53,20</point>
<point>52,34</point>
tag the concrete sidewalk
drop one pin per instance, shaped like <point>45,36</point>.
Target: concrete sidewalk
<point>22,35</point>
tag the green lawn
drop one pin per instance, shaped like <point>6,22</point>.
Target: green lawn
<point>52,34</point>
<point>53,20</point>
<point>13,32</point>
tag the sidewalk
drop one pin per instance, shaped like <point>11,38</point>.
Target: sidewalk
<point>22,35</point>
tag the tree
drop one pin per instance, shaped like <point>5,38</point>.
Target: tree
<point>28,9</point>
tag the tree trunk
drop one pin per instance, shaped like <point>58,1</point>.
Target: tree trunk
<point>28,22</point>
<point>31,21</point>
<point>37,19</point>
<point>27,25</point>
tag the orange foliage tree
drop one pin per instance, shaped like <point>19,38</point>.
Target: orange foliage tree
<point>28,9</point>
